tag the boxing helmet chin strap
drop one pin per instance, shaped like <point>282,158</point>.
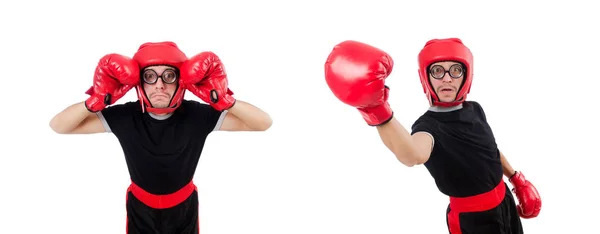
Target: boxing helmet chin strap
<point>447,104</point>
<point>160,110</point>
<point>433,102</point>
<point>140,95</point>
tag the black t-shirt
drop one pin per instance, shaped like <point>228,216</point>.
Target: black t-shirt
<point>162,153</point>
<point>465,159</point>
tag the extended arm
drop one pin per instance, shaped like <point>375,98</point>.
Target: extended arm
<point>356,72</point>
<point>244,116</point>
<point>409,150</point>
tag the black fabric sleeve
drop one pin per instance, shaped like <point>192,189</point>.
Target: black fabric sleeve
<point>423,124</point>
<point>114,117</point>
<point>210,119</point>
<point>427,125</point>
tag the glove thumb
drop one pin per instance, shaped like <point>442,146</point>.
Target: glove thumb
<point>90,91</point>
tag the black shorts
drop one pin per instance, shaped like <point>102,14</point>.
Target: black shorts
<point>502,219</point>
<point>182,218</point>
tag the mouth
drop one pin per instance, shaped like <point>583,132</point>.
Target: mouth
<point>446,90</point>
<point>158,95</point>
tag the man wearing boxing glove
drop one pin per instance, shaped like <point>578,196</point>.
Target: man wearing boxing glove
<point>452,138</point>
<point>162,134</point>
<point>205,77</point>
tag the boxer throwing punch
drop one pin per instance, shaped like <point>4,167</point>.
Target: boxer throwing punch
<point>452,138</point>
<point>162,134</point>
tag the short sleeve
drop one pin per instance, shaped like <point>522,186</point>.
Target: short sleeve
<point>425,125</point>
<point>421,125</point>
<point>113,117</point>
<point>210,119</point>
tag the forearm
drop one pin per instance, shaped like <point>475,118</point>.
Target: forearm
<point>252,116</point>
<point>398,140</point>
<point>507,169</point>
<point>69,118</point>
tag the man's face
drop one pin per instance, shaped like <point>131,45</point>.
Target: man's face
<point>446,79</point>
<point>160,83</point>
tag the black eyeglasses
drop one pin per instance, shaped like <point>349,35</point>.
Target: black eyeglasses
<point>438,71</point>
<point>169,76</point>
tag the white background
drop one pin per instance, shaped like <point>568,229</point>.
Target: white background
<point>320,168</point>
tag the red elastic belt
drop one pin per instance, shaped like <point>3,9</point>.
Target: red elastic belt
<point>481,202</point>
<point>162,201</point>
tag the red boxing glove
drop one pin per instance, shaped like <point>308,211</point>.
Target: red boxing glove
<point>530,202</point>
<point>204,75</point>
<point>356,72</point>
<point>115,75</point>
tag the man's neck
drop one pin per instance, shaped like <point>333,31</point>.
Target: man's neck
<point>445,109</point>
<point>160,116</point>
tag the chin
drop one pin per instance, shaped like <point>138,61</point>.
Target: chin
<point>160,105</point>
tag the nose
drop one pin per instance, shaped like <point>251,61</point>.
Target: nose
<point>447,78</point>
<point>159,84</point>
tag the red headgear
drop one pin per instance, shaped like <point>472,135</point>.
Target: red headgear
<point>449,49</point>
<point>160,53</point>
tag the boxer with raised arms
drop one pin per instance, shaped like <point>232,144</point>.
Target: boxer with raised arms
<point>162,134</point>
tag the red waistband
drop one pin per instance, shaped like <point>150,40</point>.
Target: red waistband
<point>162,201</point>
<point>480,202</point>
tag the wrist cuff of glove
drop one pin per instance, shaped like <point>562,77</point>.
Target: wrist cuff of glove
<point>223,103</point>
<point>96,103</point>
<point>517,179</point>
<point>376,116</point>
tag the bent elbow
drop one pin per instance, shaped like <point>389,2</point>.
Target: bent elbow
<point>60,131</point>
<point>56,128</point>
<point>409,159</point>
<point>410,163</point>
<point>266,124</point>
<point>405,159</point>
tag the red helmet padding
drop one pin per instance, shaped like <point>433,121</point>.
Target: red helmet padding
<point>448,49</point>
<point>160,53</point>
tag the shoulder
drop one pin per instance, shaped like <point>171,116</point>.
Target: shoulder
<point>198,110</point>
<point>121,110</point>
<point>475,107</point>
<point>423,124</point>
<point>193,106</point>
<point>129,106</point>
<point>116,116</point>
<point>202,115</point>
